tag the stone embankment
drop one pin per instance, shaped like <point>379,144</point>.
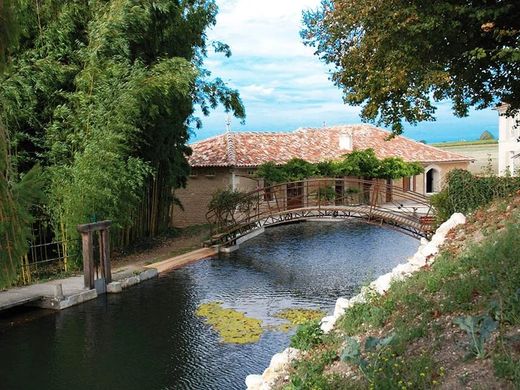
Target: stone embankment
<point>426,253</point>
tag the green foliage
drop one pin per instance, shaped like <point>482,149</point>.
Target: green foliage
<point>307,336</point>
<point>358,163</point>
<point>486,135</point>
<point>507,367</point>
<point>464,192</point>
<point>351,351</point>
<point>364,316</point>
<point>326,193</point>
<point>102,95</point>
<point>226,200</point>
<point>297,169</point>
<point>17,194</point>
<point>271,172</point>
<point>17,199</point>
<point>310,373</point>
<point>395,168</point>
<point>479,329</point>
<point>396,58</point>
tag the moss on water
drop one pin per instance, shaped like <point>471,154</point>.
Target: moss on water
<point>233,326</point>
<point>297,317</point>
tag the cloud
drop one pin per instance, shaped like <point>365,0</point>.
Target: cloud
<point>284,85</point>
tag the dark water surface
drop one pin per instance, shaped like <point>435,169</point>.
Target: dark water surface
<point>149,337</point>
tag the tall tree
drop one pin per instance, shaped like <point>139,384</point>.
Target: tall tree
<point>396,57</point>
<point>16,195</point>
<point>102,94</point>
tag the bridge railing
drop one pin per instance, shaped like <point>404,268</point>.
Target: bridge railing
<point>320,193</point>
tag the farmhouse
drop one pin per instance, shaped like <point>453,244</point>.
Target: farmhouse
<point>230,160</point>
<point>508,142</point>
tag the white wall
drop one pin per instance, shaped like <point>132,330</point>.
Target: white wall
<point>508,142</point>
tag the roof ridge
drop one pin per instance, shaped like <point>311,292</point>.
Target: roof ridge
<point>231,151</point>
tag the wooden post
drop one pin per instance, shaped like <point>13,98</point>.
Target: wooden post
<point>87,231</point>
<point>106,255</point>
<point>88,259</point>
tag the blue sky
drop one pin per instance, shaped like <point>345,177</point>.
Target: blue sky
<point>284,86</point>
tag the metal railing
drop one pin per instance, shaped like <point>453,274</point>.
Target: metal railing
<point>371,198</point>
<point>45,260</point>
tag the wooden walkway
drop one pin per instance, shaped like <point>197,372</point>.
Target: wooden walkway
<point>183,260</point>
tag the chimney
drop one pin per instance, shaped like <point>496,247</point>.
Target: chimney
<point>345,140</point>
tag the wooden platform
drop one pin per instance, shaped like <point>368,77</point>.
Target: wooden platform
<point>182,260</point>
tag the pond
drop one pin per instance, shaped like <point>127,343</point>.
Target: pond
<point>149,337</point>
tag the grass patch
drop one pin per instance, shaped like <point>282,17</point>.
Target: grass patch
<point>507,367</point>
<point>307,336</point>
<point>465,143</point>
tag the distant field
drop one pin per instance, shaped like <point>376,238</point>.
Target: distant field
<point>485,154</point>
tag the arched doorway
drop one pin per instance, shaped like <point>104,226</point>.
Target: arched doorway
<point>432,180</point>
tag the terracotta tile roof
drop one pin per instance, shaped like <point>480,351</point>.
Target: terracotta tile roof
<point>250,149</point>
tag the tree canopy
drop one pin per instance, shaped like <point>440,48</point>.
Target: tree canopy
<point>101,94</point>
<point>396,57</point>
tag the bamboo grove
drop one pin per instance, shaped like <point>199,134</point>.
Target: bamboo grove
<point>101,95</point>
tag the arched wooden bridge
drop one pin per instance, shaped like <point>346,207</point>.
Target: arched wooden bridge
<point>373,201</point>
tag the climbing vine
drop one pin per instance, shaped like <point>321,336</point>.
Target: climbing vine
<point>359,163</point>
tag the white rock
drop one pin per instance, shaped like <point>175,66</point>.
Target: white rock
<point>327,324</point>
<point>341,305</point>
<point>361,297</point>
<point>418,260</point>
<point>254,382</point>
<point>269,375</point>
<point>382,283</point>
<point>431,249</point>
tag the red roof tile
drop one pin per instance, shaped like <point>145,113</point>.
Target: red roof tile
<point>252,149</point>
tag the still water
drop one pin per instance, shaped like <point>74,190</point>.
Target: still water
<point>150,338</point>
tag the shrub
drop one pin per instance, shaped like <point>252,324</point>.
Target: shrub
<point>307,336</point>
<point>464,192</point>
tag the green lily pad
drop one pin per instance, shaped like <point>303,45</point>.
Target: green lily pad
<point>297,317</point>
<point>233,326</point>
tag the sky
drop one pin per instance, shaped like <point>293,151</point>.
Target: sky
<point>284,86</point>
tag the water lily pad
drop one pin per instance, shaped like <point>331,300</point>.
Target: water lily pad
<point>297,317</point>
<point>232,325</point>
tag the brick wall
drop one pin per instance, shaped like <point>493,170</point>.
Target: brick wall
<point>195,197</point>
